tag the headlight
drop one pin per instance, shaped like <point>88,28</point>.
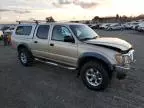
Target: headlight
<point>125,58</point>
<point>129,57</point>
<point>119,58</point>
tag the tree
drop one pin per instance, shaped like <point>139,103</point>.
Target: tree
<point>117,16</point>
<point>96,18</point>
<point>124,18</point>
<point>141,16</point>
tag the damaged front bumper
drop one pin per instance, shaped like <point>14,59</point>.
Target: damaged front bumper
<point>121,71</point>
<point>127,65</point>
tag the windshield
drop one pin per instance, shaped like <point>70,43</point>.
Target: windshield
<point>83,32</point>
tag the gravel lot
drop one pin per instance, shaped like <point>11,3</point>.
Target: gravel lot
<point>46,86</point>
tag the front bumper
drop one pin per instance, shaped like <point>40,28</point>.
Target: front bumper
<point>121,71</point>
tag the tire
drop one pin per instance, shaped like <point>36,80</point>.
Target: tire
<point>25,57</point>
<point>100,74</point>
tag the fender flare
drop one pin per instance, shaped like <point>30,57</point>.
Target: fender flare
<point>96,56</point>
<point>24,46</point>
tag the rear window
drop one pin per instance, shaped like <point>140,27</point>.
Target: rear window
<point>23,30</point>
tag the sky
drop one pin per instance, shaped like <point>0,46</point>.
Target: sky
<point>12,10</point>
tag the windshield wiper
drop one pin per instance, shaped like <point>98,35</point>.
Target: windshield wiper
<point>84,39</point>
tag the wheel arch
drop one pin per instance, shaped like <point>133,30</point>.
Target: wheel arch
<point>86,57</point>
<point>23,46</point>
<point>28,53</point>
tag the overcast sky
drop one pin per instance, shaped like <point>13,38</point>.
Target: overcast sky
<point>11,10</point>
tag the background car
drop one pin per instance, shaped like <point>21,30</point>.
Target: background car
<point>127,25</point>
<point>133,25</point>
<point>95,26</point>
<point>130,25</point>
<point>140,27</point>
<point>104,25</point>
<point>115,26</point>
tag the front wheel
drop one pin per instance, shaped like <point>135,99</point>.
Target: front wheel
<point>94,76</point>
<point>25,57</point>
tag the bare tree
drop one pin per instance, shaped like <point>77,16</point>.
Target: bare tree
<point>96,19</point>
<point>117,16</point>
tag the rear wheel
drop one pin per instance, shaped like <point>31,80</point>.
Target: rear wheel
<point>94,76</point>
<point>25,57</point>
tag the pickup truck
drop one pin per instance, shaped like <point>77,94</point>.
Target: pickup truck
<point>74,46</point>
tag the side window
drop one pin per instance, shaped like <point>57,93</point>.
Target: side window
<point>60,32</point>
<point>23,30</point>
<point>42,31</point>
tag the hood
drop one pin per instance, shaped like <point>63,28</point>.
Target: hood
<point>113,43</point>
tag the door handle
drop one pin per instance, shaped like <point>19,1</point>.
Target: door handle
<point>35,41</point>
<point>51,44</point>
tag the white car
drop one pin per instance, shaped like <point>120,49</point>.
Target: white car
<point>127,25</point>
<point>115,26</point>
<point>95,26</point>
<point>140,27</point>
<point>133,25</point>
<point>104,26</point>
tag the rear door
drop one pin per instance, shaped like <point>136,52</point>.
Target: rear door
<point>39,45</point>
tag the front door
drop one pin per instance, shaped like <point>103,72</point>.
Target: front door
<point>60,49</point>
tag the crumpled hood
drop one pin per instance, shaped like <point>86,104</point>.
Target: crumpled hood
<point>111,42</point>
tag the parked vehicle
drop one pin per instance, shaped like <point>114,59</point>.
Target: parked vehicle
<point>115,26</point>
<point>95,26</point>
<point>133,25</point>
<point>103,25</point>
<point>140,27</point>
<point>127,26</point>
<point>89,25</point>
<point>130,25</point>
<point>74,46</point>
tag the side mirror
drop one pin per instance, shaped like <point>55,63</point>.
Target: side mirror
<point>69,39</point>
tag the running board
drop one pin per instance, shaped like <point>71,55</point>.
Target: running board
<point>55,64</point>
